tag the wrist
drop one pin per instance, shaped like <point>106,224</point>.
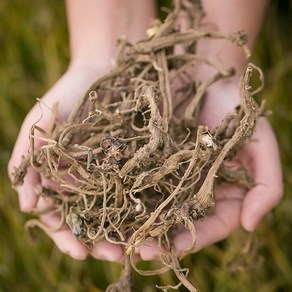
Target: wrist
<point>100,64</point>
<point>91,68</point>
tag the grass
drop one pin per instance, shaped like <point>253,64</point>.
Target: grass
<point>34,53</point>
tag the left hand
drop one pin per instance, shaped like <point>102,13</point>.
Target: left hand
<point>235,206</point>
<point>67,91</point>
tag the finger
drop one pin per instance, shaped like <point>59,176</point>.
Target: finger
<point>148,251</point>
<point>60,233</point>
<point>266,170</point>
<point>67,244</point>
<point>216,226</point>
<point>39,115</point>
<point>104,250</point>
<point>27,196</point>
<point>213,228</point>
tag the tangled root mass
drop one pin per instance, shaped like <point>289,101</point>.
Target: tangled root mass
<point>125,168</point>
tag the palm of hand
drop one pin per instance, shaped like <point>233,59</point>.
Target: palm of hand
<point>66,93</point>
<point>235,205</point>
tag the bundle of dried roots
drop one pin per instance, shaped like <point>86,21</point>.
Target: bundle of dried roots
<point>125,168</point>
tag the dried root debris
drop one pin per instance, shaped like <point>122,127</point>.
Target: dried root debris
<point>125,169</point>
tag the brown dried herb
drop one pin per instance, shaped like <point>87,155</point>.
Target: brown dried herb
<point>132,165</point>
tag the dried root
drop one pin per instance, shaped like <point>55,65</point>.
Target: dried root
<point>125,169</point>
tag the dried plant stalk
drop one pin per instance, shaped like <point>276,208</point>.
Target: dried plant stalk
<point>125,169</point>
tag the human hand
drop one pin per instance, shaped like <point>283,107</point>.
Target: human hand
<point>70,87</point>
<point>234,205</point>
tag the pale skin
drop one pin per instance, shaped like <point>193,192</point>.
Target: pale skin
<point>94,29</point>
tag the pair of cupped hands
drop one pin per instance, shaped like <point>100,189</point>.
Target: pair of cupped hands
<point>235,206</point>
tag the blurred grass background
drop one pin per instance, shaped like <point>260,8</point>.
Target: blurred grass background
<point>33,54</point>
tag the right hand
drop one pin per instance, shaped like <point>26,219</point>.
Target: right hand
<point>67,91</point>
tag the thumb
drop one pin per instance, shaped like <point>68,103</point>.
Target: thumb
<point>258,202</point>
<point>264,163</point>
